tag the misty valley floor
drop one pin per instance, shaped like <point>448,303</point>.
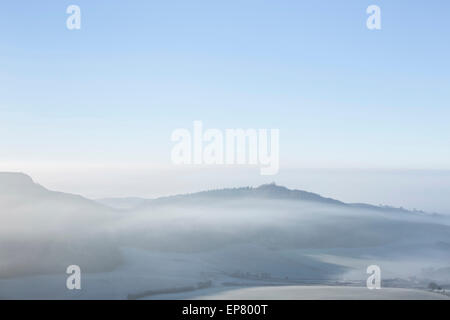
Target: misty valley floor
<point>151,275</point>
<point>288,243</point>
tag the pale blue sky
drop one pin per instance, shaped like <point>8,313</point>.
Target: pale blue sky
<point>342,96</point>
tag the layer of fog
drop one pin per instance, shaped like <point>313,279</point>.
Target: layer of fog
<point>179,240</point>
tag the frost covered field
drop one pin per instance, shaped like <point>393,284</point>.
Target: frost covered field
<point>311,293</point>
<point>137,277</point>
<point>246,243</point>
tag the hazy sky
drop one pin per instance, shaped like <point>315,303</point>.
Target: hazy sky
<point>110,95</point>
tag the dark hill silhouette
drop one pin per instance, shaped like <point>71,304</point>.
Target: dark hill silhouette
<point>270,191</point>
<point>43,231</point>
<point>265,191</point>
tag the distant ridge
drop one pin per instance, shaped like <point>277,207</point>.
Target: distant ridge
<point>269,191</point>
<point>266,191</point>
<point>12,182</point>
<point>17,182</point>
<point>22,187</point>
